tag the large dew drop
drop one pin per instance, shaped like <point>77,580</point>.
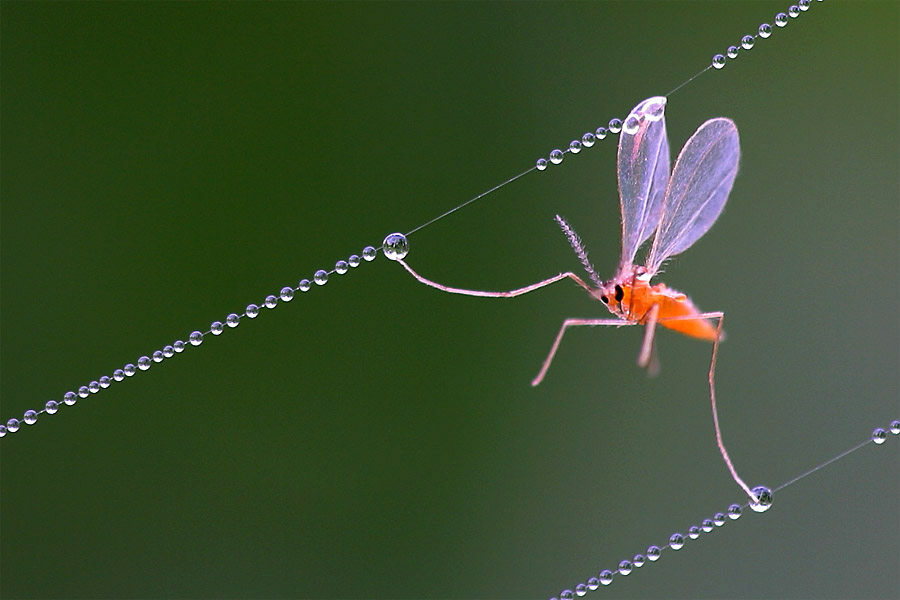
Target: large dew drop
<point>396,246</point>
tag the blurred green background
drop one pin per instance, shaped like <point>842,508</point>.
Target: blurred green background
<point>166,164</point>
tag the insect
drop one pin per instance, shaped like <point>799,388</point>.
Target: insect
<point>679,206</point>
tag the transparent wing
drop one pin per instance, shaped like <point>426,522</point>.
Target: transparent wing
<point>703,175</point>
<point>643,171</point>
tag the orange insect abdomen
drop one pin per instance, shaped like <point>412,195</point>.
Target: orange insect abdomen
<point>640,298</point>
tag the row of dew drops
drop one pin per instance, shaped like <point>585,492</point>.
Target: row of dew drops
<point>394,246</point>
<point>763,498</point>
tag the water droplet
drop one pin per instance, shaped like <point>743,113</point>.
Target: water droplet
<point>600,133</point>
<point>615,125</point>
<point>215,328</point>
<point>804,5</point>
<point>51,407</point>
<point>196,339</point>
<point>734,512</point>
<point>158,356</point>
<point>581,590</point>
<point>119,375</point>
<point>895,427</point>
<point>252,311</point>
<point>320,277</point>
<point>130,370</point>
<point>762,499</point>
<point>286,294</point>
<point>732,52</point>
<point>718,61</point>
<point>638,560</point>
<point>168,352</point>
<point>556,156</point>
<point>593,583</point>
<point>369,253</point>
<point>83,391</point>
<point>654,109</point>
<point>353,261</point>
<point>707,525</point>
<point>653,553</point>
<point>144,362</point>
<point>879,435</point>
<point>794,11</point>
<point>575,146</point>
<point>719,519</point>
<point>2,430</point>
<point>304,285</point>
<point>625,567</point>
<point>179,346</point>
<point>693,532</point>
<point>94,387</point>
<point>341,267</point>
<point>541,164</point>
<point>31,417</point>
<point>781,19</point>
<point>270,302</point>
<point>105,382</point>
<point>566,595</point>
<point>396,246</point>
<point>232,320</point>
<point>606,577</point>
<point>12,425</point>
<point>676,541</point>
<point>765,30</point>
<point>632,124</point>
<point>747,42</point>
<point>588,139</point>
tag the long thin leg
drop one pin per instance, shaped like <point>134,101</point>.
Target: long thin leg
<point>562,331</point>
<point>647,347</point>
<point>509,294</point>
<point>720,316</point>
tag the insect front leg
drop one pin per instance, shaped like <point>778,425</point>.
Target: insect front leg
<point>562,331</point>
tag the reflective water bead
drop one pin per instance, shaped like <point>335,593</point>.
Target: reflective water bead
<point>51,407</point>
<point>158,356</point>
<point>600,133</point>
<point>144,363</point>
<point>252,311</point>
<point>304,285</point>
<point>369,253</point>
<point>653,553</point>
<point>593,583</point>
<point>119,375</point>
<point>655,110</point>
<point>732,52</point>
<point>632,124</point>
<point>341,267</point>
<point>734,512</point>
<point>31,417</point>
<point>625,567</point>
<point>566,595</point>
<point>94,387</point>
<point>581,590</point>
<point>606,577</point>
<point>615,125</point>
<point>804,4</point>
<point>396,246</point>
<point>196,339</point>
<point>232,320</point>
<point>747,42</point>
<point>575,146</point>
<point>719,519</point>
<point>676,541</point>
<point>765,30</point>
<point>556,156</point>
<point>541,164</point>
<point>718,61</point>
<point>270,301</point>
<point>353,261</point>
<point>286,294</point>
<point>105,382</point>
<point>781,19</point>
<point>879,435</point>
<point>762,499</point>
<point>638,560</point>
<point>12,425</point>
<point>588,139</point>
<point>215,328</point>
<point>168,352</point>
<point>83,391</point>
<point>706,525</point>
<point>895,427</point>
<point>320,277</point>
<point>2,430</point>
<point>130,370</point>
<point>693,532</point>
<point>794,11</point>
<point>69,398</point>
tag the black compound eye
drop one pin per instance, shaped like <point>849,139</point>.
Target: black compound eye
<point>604,299</point>
<point>619,293</point>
